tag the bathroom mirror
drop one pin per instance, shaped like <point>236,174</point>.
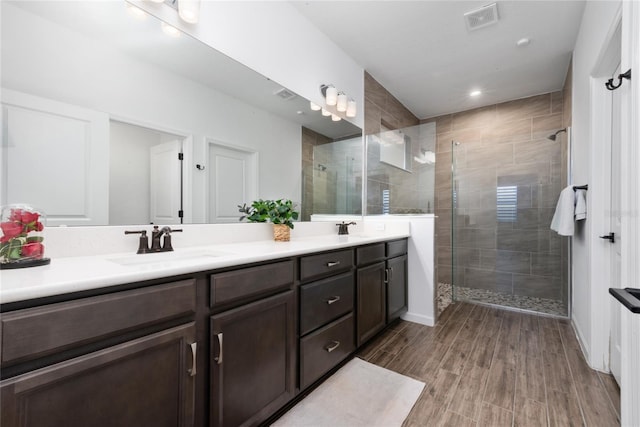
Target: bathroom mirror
<point>100,101</point>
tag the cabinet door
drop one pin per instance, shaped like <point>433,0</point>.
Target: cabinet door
<point>143,382</point>
<point>396,287</point>
<point>253,361</point>
<point>371,301</point>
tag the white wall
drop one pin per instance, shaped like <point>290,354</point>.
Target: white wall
<point>274,39</point>
<point>80,71</point>
<point>589,295</point>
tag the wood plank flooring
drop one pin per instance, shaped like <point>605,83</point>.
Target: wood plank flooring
<point>488,367</point>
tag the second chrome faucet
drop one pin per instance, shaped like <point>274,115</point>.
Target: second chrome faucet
<point>156,236</point>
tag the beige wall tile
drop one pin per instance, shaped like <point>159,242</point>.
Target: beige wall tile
<point>443,123</point>
<point>478,117</point>
<point>544,126</point>
<point>513,131</point>
<point>374,91</point>
<point>533,106</point>
<point>557,102</point>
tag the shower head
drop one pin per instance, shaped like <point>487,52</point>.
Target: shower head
<point>555,135</point>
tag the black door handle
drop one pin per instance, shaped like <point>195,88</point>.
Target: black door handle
<point>610,237</point>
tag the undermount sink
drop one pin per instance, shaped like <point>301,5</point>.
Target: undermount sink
<point>164,257</point>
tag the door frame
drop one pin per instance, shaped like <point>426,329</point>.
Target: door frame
<point>599,200</point>
<point>628,17</point>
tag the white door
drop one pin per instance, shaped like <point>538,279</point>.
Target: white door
<point>615,357</point>
<point>232,182</point>
<point>165,187</point>
<point>55,157</point>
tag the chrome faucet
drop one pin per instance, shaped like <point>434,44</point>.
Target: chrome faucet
<point>156,235</point>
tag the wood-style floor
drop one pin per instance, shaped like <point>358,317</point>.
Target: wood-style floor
<point>488,367</point>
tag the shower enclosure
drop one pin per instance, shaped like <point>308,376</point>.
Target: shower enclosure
<point>503,198</point>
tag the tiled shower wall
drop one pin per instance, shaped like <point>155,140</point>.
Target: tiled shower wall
<point>310,139</point>
<point>503,150</point>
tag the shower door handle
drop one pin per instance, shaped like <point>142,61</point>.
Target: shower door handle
<point>611,237</point>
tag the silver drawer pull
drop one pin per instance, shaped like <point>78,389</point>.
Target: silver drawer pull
<point>333,299</point>
<point>333,346</point>
<point>194,347</point>
<point>333,263</point>
<point>219,358</point>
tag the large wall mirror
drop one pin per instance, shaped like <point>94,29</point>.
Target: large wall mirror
<point>110,117</point>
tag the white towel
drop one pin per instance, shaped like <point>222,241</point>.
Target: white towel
<point>562,221</point>
<point>581,205</point>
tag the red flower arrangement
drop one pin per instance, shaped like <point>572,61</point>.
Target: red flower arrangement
<point>16,244</point>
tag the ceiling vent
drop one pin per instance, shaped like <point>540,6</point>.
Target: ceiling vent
<point>483,17</point>
<point>285,94</point>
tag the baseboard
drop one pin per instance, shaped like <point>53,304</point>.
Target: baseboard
<point>418,318</point>
<point>581,341</point>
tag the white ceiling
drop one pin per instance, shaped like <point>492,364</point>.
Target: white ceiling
<point>423,54</point>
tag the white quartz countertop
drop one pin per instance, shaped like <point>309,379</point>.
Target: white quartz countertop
<point>73,274</point>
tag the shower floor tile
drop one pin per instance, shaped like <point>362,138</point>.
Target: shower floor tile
<point>539,305</point>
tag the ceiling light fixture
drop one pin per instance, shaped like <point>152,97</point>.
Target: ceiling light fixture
<point>523,42</point>
<point>475,93</point>
<point>189,10</point>
<point>314,106</point>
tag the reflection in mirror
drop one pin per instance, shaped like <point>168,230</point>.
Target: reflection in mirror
<point>99,104</point>
<point>392,189</point>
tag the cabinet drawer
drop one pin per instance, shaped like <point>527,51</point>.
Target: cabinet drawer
<point>370,253</point>
<point>325,264</point>
<point>325,348</point>
<point>35,332</point>
<point>243,284</point>
<point>324,301</point>
<point>396,248</point>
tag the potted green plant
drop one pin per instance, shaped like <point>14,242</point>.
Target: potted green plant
<point>281,213</point>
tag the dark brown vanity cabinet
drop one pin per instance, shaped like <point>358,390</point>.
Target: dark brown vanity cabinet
<point>396,278</point>
<point>371,292</point>
<point>144,381</point>
<point>253,346</point>
<point>327,324</point>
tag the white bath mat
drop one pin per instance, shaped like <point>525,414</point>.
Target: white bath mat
<point>359,394</point>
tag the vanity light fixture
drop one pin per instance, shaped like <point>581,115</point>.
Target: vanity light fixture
<point>326,112</point>
<point>341,104</point>
<point>189,10</point>
<point>351,108</point>
<point>331,97</point>
<point>341,100</point>
<point>335,118</point>
<point>314,106</point>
